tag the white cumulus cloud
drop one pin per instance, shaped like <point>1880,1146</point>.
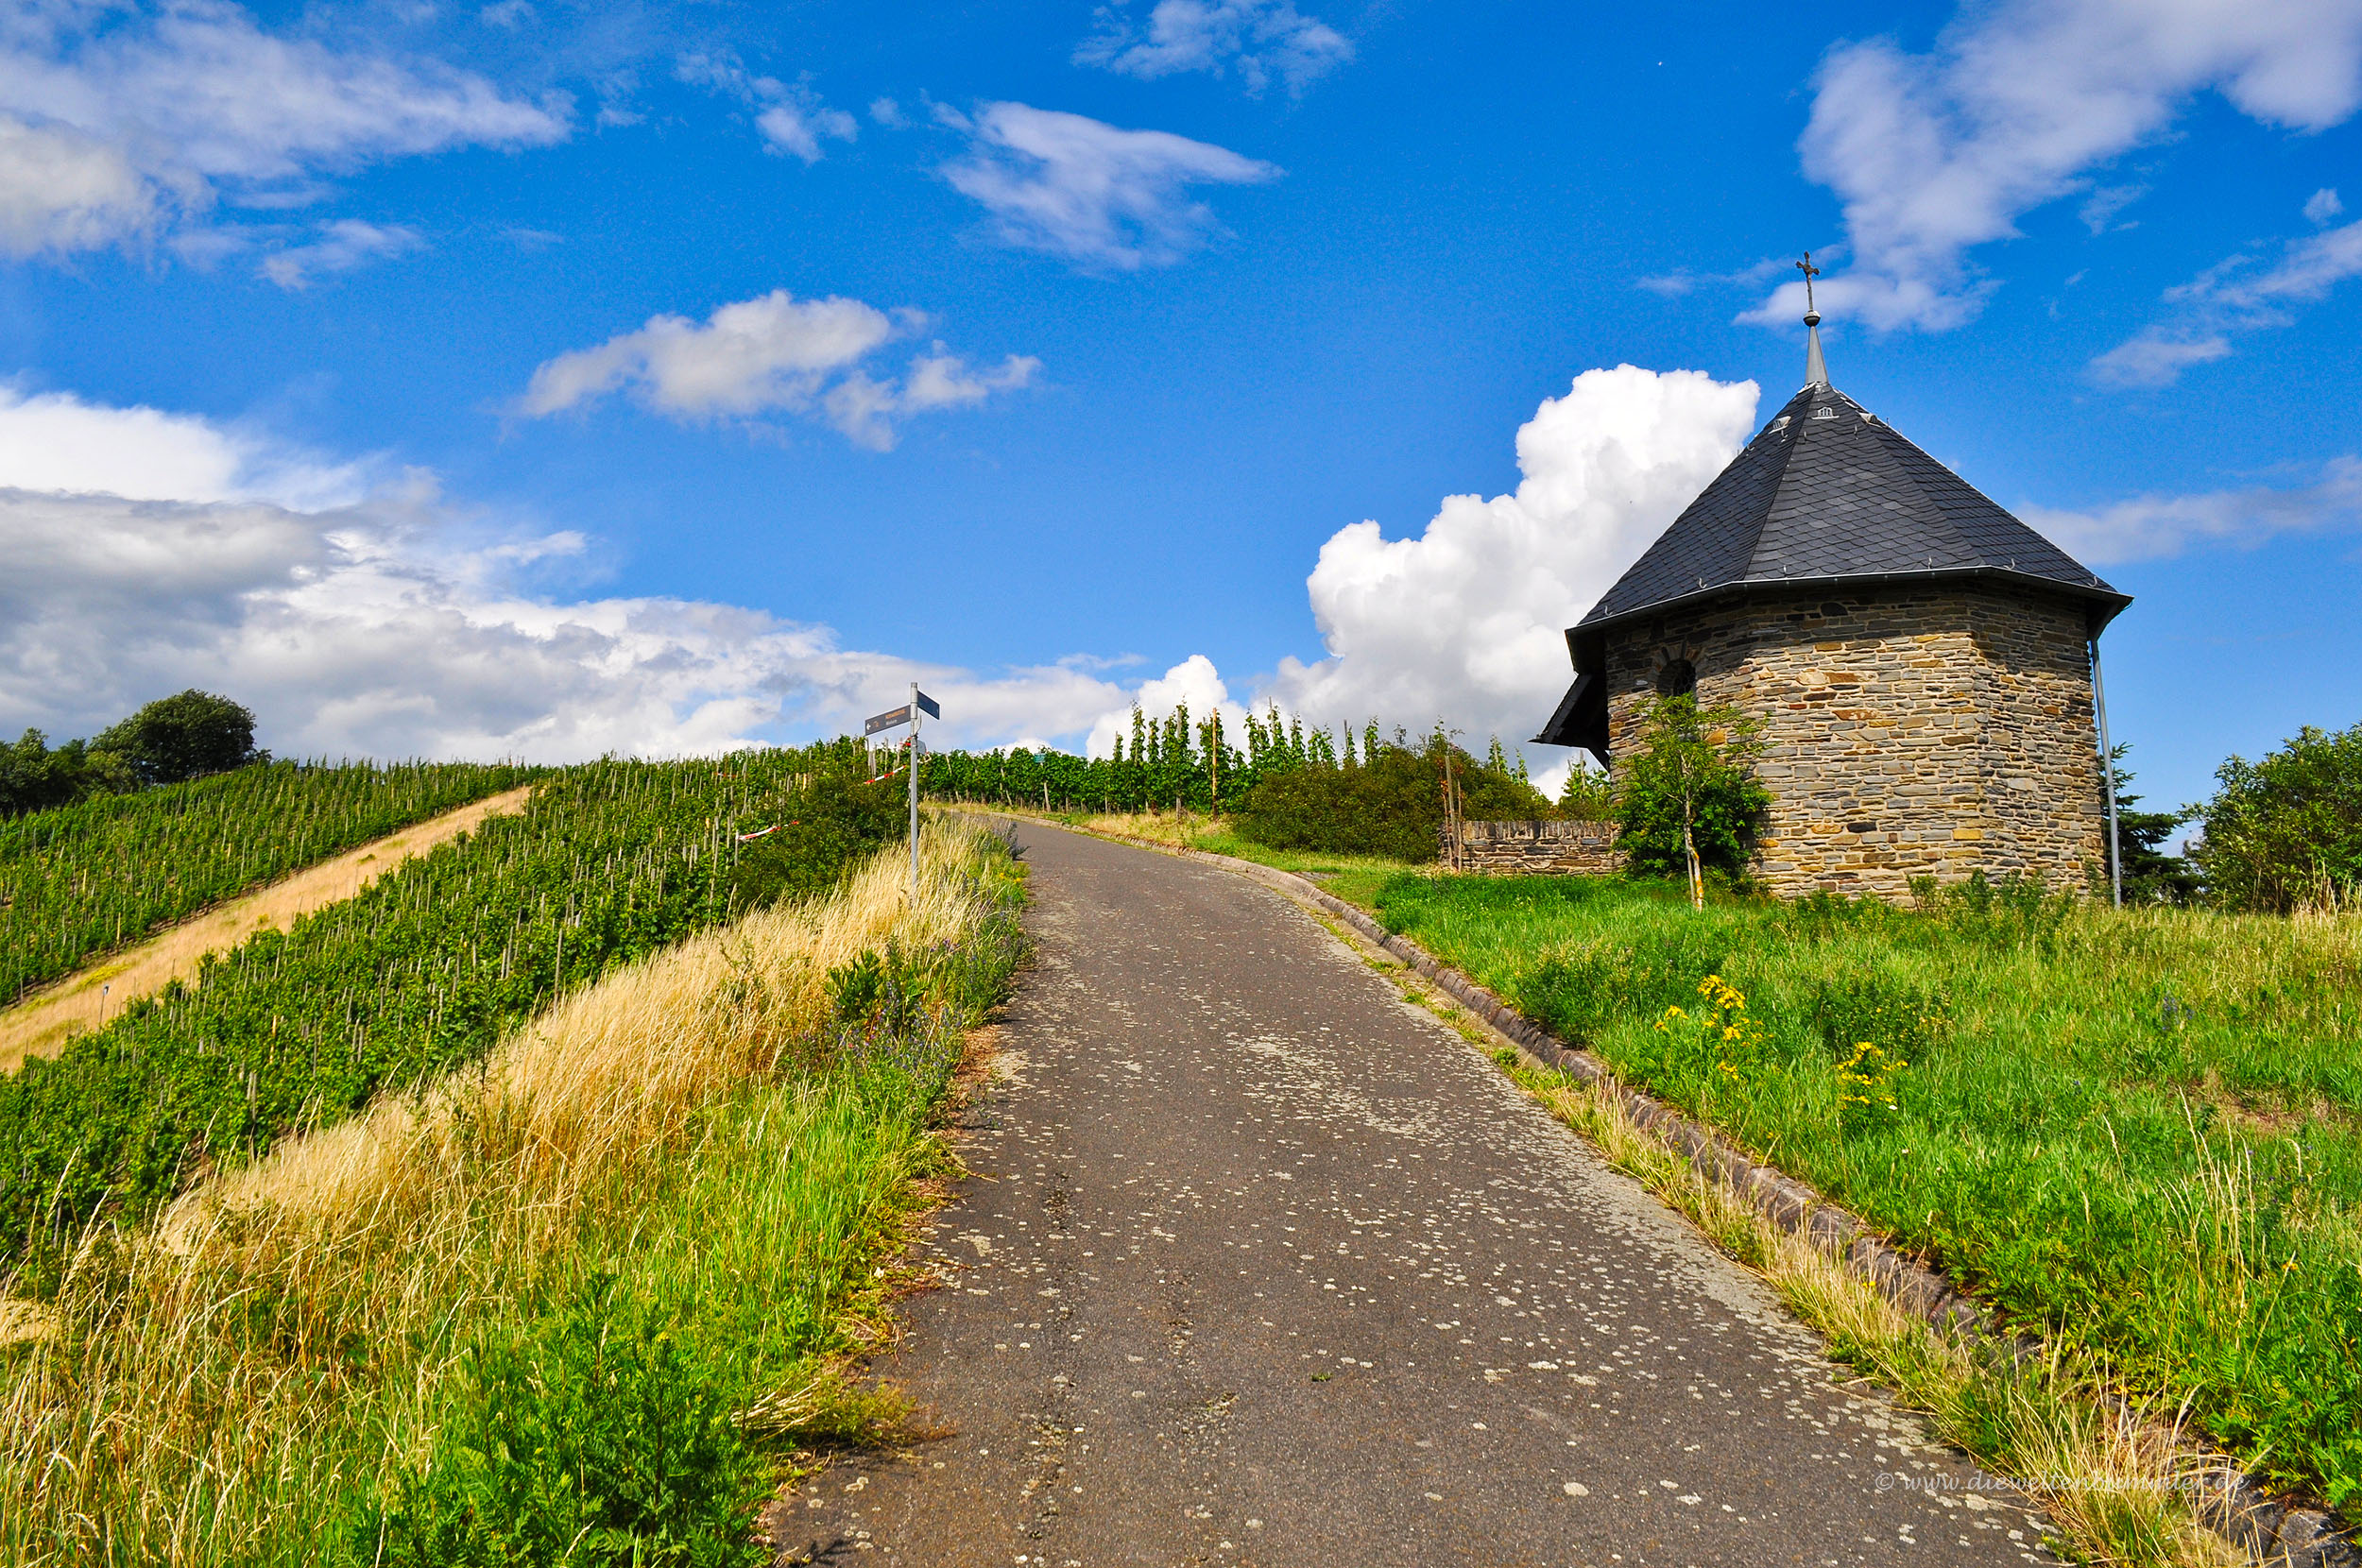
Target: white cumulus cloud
<point>2016,106</point>
<point>773,353</point>
<point>55,441</point>
<point>148,551</point>
<point>1467,621</point>
<point>1260,38</point>
<point>1105,198</point>
<point>1193,683</point>
<point>118,119</point>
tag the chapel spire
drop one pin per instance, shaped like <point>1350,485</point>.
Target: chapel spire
<point>1816,369</point>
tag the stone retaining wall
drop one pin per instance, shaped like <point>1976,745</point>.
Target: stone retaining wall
<point>1539,848</point>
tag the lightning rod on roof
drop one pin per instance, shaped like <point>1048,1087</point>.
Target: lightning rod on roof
<point>1816,369</point>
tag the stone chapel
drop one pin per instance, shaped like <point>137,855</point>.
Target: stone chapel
<point>1924,664</point>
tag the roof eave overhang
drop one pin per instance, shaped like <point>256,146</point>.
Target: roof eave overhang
<point>2106,603</point>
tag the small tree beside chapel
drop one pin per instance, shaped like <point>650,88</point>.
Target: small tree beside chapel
<point>1689,798</point>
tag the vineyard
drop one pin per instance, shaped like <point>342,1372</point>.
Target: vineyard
<point>80,880</point>
<point>588,1299</point>
<point>422,973</point>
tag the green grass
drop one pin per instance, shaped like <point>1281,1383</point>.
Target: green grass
<point>2139,1133</point>
<point>1355,879</point>
<point>728,1286</point>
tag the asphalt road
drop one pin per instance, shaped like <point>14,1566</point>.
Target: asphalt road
<point>1260,1264</point>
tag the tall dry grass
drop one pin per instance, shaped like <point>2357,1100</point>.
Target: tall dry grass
<point>204,1391</point>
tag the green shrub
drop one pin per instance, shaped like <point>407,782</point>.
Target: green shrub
<point>590,1436</point>
<point>2287,830</point>
<point>820,830</point>
<point>33,778</point>
<point>1392,805</point>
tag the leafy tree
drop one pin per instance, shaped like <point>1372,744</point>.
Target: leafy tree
<point>1690,799</point>
<point>2286,830</point>
<point>2150,874</point>
<point>34,778</point>
<point>1587,796</point>
<point>176,739</point>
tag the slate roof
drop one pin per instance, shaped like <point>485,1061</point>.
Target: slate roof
<point>1828,492</point>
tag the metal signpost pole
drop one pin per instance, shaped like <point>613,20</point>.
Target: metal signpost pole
<point>914,792</point>
<point>2108,776</point>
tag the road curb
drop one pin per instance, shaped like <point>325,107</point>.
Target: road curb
<point>2271,1530</point>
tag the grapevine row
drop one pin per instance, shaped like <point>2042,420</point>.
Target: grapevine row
<point>420,974</point>
<point>79,880</point>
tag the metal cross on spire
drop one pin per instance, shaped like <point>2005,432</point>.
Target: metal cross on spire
<point>1816,369</point>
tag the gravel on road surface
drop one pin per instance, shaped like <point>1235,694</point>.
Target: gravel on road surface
<point>1262,1265</point>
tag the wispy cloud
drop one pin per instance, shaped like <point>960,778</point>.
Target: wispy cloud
<point>2233,296</point>
<point>2154,527</point>
<point>2016,106</point>
<point>2101,208</point>
<point>1259,39</point>
<point>1103,198</point>
<point>1674,284</point>
<point>342,246</point>
<point>789,116</point>
<point>117,123</point>
<point>775,354</point>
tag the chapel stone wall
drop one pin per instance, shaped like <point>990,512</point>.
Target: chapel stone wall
<point>1913,730</point>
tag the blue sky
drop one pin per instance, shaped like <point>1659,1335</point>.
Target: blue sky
<point>527,378</point>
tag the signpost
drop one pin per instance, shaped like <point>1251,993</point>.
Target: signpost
<point>909,713</point>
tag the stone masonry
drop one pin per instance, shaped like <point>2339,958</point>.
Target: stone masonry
<point>1540,847</point>
<point>1909,730</point>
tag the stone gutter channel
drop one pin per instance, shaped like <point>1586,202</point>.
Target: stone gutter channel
<point>2270,1529</point>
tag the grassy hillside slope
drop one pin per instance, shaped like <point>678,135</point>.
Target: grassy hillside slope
<point>584,1302</point>
<point>418,974</point>
<point>2140,1132</point>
